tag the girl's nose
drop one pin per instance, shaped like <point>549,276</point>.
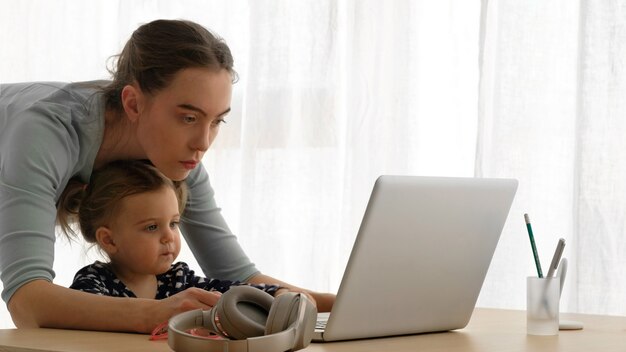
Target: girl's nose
<point>168,236</point>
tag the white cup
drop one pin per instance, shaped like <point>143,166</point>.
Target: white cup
<point>542,305</point>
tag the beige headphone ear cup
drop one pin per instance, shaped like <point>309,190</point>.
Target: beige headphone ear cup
<point>306,327</point>
<point>283,313</point>
<point>293,310</point>
<point>242,312</point>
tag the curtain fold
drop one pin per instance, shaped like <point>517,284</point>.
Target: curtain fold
<point>338,93</point>
<point>551,113</point>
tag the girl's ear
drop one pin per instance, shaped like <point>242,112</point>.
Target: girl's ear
<point>133,101</point>
<point>104,237</point>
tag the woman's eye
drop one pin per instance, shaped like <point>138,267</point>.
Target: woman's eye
<point>189,119</point>
<point>152,227</point>
<point>219,122</point>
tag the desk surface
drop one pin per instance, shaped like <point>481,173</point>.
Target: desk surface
<point>488,330</point>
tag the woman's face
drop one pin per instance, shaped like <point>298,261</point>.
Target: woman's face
<point>180,122</point>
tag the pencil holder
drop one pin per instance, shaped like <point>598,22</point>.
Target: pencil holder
<point>542,305</point>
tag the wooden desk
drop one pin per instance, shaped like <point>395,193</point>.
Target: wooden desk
<point>489,330</point>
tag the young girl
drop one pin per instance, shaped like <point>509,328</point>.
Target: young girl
<point>131,211</point>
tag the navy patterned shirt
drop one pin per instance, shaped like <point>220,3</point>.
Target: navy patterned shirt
<point>98,278</point>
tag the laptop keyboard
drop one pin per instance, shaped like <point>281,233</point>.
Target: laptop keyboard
<point>320,325</point>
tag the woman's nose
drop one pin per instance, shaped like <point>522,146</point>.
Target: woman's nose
<point>202,140</point>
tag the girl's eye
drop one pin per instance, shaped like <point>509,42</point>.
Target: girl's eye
<point>189,119</point>
<point>174,224</point>
<point>152,228</point>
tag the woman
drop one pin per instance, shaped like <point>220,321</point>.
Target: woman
<point>170,93</point>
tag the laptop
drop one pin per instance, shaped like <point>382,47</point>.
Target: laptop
<point>420,256</point>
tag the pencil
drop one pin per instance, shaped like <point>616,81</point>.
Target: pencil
<point>532,244</point>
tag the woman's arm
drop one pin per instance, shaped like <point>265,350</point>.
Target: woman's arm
<point>181,277</point>
<point>324,301</point>
<point>41,303</point>
<point>216,249</point>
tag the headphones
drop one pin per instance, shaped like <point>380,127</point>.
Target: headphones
<point>249,320</point>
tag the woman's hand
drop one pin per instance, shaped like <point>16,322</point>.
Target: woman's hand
<point>189,299</point>
<point>323,301</point>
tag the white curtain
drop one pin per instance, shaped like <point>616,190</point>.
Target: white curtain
<point>334,93</point>
<point>553,114</point>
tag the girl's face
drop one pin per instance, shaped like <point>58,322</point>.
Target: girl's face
<point>180,122</point>
<point>145,233</point>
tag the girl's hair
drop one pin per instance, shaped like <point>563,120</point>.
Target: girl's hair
<point>94,205</point>
<point>156,51</point>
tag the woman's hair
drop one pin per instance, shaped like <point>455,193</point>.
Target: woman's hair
<point>156,51</point>
<point>93,205</point>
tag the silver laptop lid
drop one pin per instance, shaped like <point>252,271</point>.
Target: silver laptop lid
<point>420,256</point>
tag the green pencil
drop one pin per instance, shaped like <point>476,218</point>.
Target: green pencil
<point>534,247</point>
